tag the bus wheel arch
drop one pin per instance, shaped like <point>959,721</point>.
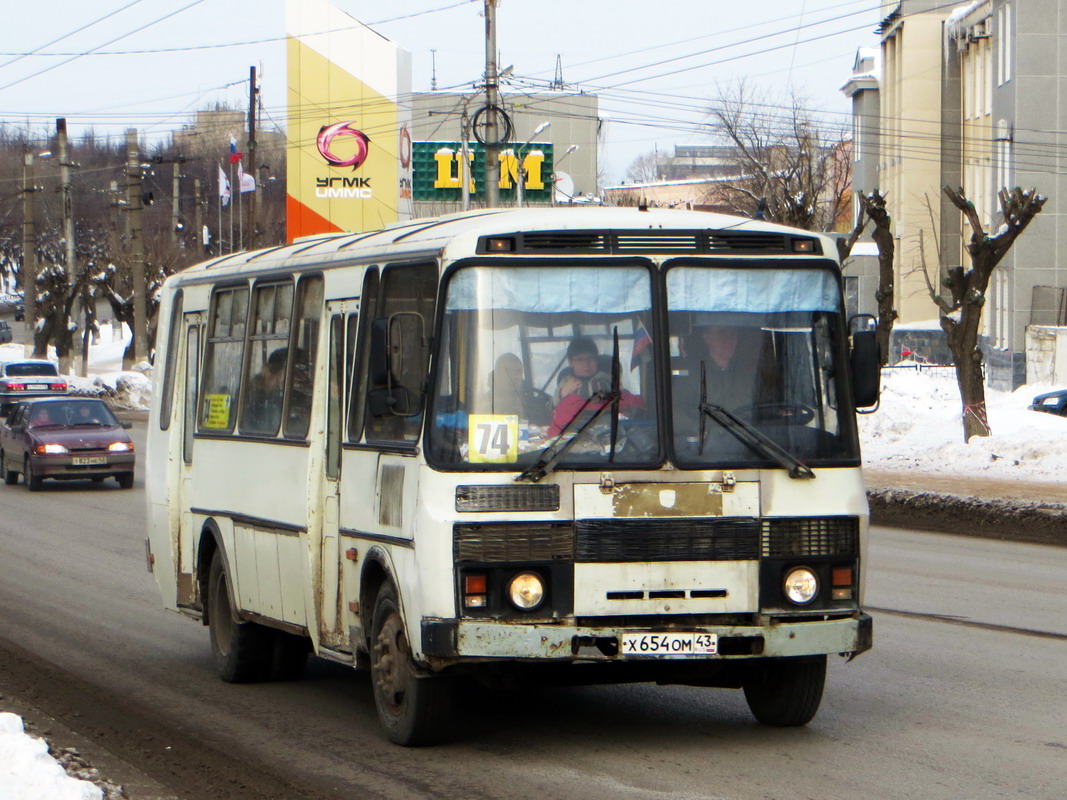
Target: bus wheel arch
<point>376,573</point>
<point>210,543</point>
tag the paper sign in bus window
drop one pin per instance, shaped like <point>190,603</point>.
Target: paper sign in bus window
<point>216,412</point>
<point>493,438</point>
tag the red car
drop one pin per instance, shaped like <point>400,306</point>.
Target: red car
<point>68,438</point>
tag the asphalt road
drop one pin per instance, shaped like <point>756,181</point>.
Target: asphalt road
<point>962,696</point>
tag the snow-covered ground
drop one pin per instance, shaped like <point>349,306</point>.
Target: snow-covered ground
<point>129,389</point>
<point>916,429</point>
<point>29,772</point>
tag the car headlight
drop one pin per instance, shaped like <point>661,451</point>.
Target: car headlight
<point>49,449</point>
<point>526,591</point>
<point>120,447</point>
<point>800,586</point>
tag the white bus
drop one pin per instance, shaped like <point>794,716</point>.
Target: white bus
<point>560,444</point>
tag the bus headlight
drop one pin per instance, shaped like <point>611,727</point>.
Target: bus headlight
<point>526,591</point>
<point>800,586</point>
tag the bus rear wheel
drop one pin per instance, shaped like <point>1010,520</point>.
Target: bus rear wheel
<point>413,710</point>
<point>786,692</point>
<point>242,650</point>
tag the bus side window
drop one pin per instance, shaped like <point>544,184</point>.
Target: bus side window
<point>173,338</point>
<point>305,350</point>
<point>408,296</point>
<point>358,336</point>
<point>268,358</point>
<point>223,357</point>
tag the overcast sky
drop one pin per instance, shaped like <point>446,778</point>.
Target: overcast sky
<point>151,63</point>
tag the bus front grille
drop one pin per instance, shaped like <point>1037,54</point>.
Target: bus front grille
<point>513,542</point>
<point>614,541</point>
<point>792,537</point>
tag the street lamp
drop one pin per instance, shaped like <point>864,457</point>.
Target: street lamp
<point>566,153</point>
<point>521,185</point>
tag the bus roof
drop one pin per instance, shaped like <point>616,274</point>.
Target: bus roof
<point>435,234</point>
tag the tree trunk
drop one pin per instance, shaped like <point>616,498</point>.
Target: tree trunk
<point>963,342</point>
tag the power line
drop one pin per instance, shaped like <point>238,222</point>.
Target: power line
<point>105,44</point>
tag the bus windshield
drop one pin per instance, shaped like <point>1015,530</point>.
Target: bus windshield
<point>534,356</point>
<point>755,354</point>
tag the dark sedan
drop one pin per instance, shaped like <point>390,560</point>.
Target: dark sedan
<point>68,438</point>
<point>1051,403</point>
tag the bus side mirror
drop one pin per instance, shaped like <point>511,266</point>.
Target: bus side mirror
<point>865,363</point>
<point>398,349</point>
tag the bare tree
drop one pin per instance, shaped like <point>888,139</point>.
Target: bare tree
<point>961,310</point>
<point>872,207</point>
<point>791,169</point>
<point>646,168</point>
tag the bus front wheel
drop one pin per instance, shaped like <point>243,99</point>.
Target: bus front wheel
<point>786,692</point>
<point>242,650</point>
<point>413,710</point>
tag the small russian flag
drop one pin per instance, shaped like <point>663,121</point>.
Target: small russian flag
<point>642,342</point>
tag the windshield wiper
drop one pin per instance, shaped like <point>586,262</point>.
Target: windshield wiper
<point>750,436</point>
<point>555,451</point>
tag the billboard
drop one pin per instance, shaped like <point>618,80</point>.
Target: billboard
<point>438,169</point>
<point>349,124</point>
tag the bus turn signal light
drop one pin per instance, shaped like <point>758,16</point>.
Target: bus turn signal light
<point>475,591</point>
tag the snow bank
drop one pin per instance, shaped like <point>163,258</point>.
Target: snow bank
<point>127,390</point>
<point>918,428</point>
<point>28,772</point>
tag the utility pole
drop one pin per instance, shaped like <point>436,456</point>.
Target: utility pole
<point>492,102</point>
<point>175,200</point>
<point>198,218</point>
<point>136,226</point>
<point>253,92</point>
<point>29,255</point>
<point>68,226</point>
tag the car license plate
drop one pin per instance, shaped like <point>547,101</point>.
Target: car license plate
<point>38,387</point>
<point>669,644</point>
<point>88,461</point>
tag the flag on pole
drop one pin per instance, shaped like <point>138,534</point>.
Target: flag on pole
<point>224,188</point>
<point>642,342</point>
<point>245,180</point>
<point>235,156</point>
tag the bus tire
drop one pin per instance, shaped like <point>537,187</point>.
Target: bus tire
<point>786,692</point>
<point>242,650</point>
<point>413,710</point>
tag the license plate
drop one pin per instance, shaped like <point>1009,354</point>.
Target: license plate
<point>88,461</point>
<point>38,387</point>
<point>669,644</point>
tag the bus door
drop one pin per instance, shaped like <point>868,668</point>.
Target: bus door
<point>191,333</point>
<point>332,559</point>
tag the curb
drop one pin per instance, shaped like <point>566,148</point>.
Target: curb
<point>1007,520</point>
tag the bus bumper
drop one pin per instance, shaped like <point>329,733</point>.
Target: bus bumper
<point>462,639</point>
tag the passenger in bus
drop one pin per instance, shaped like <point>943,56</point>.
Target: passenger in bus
<point>510,393</point>
<point>263,410</point>
<point>581,379</point>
